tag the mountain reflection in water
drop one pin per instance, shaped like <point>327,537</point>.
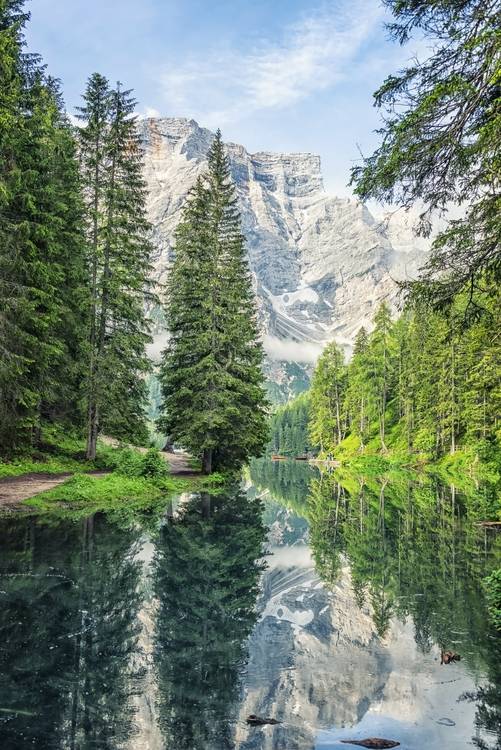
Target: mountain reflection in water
<point>322,600</point>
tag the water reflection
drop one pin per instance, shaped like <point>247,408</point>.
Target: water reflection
<point>69,601</point>
<point>168,634</point>
<point>205,575</point>
<point>407,555</point>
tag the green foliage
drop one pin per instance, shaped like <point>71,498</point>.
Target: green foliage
<point>119,252</point>
<point>492,585</point>
<point>60,451</point>
<point>120,495</point>
<point>417,389</point>
<point>289,428</point>
<point>151,464</point>
<point>211,373</point>
<point>440,141</point>
<point>328,418</point>
<point>43,279</point>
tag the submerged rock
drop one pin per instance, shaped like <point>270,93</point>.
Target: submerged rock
<point>258,721</point>
<point>373,742</point>
<point>447,657</point>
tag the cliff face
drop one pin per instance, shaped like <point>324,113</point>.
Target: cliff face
<point>321,264</point>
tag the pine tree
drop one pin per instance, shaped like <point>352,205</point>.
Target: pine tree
<point>328,423</point>
<point>427,383</point>
<point>381,363</point>
<point>212,381</point>
<point>440,141</point>
<point>42,260</point>
<point>358,389</point>
<point>119,262</point>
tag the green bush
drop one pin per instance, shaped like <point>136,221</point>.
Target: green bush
<point>151,464</point>
<point>128,463</point>
<point>492,586</point>
<point>424,441</point>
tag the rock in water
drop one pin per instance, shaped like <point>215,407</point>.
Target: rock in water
<point>447,657</point>
<point>321,265</point>
<point>373,742</point>
<point>258,721</point>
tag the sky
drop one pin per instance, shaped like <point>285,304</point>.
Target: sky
<point>274,75</point>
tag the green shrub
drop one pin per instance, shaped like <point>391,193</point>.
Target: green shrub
<point>424,441</point>
<point>128,463</point>
<point>151,464</point>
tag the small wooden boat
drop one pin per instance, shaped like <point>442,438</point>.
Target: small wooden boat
<point>301,458</point>
<point>279,458</point>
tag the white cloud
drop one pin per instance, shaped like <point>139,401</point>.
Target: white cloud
<point>285,350</point>
<point>288,350</point>
<point>313,55</point>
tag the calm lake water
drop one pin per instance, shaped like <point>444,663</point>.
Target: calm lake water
<point>323,601</point>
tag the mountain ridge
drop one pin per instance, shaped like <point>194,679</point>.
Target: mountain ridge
<point>321,265</point>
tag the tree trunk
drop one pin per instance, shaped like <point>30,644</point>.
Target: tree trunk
<point>92,413</point>
<point>207,461</point>
<point>99,347</point>
<point>338,417</point>
<point>383,405</point>
<point>92,430</point>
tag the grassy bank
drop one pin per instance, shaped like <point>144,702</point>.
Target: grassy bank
<point>136,482</point>
<point>84,495</point>
<point>119,494</point>
<point>58,452</point>
<point>480,462</point>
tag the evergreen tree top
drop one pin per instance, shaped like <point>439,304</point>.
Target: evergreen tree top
<point>12,14</point>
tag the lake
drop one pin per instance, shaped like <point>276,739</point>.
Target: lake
<point>325,601</point>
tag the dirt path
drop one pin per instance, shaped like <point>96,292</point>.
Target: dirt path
<point>14,490</point>
<point>179,463</point>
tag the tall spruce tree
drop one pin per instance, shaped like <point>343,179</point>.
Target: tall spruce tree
<point>212,382</point>
<point>119,263</point>
<point>358,405</point>
<point>381,358</point>
<point>42,253</point>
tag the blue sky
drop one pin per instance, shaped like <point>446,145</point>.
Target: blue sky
<point>275,75</point>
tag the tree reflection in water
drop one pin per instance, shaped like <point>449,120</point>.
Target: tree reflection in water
<point>206,570</point>
<point>415,549</point>
<point>68,625</point>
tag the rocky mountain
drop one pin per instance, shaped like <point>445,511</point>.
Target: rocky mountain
<point>321,264</point>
